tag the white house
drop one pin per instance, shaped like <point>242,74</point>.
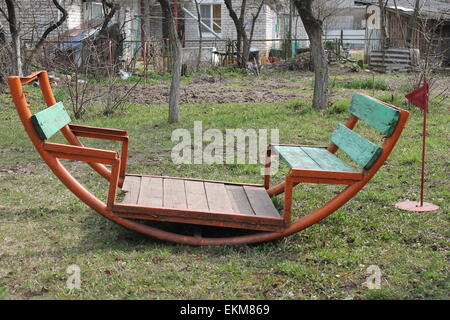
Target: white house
<point>35,16</point>
<point>142,20</point>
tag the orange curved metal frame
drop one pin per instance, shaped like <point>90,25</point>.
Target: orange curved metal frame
<point>51,153</point>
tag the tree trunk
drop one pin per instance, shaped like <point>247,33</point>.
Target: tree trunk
<point>49,30</point>
<point>200,36</point>
<point>175,45</point>
<point>252,29</point>
<point>382,23</point>
<point>15,36</point>
<point>17,48</point>
<point>238,46</point>
<point>289,37</point>
<point>314,30</point>
<point>174,96</point>
<point>321,78</point>
<point>412,24</point>
<point>243,40</point>
<point>108,17</point>
<point>238,25</point>
<point>245,50</point>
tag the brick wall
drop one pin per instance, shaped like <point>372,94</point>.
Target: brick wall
<point>262,31</point>
<point>75,14</point>
<point>153,26</point>
<point>36,16</point>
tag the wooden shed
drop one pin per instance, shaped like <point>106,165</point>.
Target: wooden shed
<point>430,34</point>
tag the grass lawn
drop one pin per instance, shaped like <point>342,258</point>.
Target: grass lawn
<point>44,229</point>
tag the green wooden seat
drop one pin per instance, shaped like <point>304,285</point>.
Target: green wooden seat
<point>363,152</point>
<point>312,158</point>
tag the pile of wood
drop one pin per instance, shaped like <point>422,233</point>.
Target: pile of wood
<point>301,61</point>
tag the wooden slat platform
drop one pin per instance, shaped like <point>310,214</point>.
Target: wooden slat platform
<point>198,202</point>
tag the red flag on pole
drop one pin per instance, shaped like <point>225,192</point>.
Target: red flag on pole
<point>419,97</point>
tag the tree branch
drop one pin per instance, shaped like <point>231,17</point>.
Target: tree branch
<point>108,17</point>
<point>52,27</point>
<point>4,14</point>
<point>14,28</point>
<point>175,45</point>
<point>254,18</point>
<point>243,7</point>
<point>3,41</point>
<point>233,15</point>
<point>313,27</point>
<point>239,25</point>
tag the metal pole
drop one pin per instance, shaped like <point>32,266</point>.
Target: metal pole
<point>142,27</point>
<point>421,206</point>
<point>424,136</point>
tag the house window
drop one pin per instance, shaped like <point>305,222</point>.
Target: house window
<point>95,10</point>
<point>211,15</point>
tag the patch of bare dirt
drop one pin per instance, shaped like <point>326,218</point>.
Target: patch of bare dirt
<point>224,91</point>
<point>268,88</point>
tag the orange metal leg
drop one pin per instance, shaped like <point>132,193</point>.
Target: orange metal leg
<point>267,167</point>
<point>288,200</point>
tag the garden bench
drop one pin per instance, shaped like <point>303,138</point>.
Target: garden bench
<point>312,164</point>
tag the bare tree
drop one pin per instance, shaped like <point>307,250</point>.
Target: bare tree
<point>200,35</point>
<point>14,29</point>
<point>5,53</point>
<point>412,24</point>
<point>314,29</point>
<point>430,30</point>
<point>75,81</point>
<point>109,8</point>
<point>428,36</point>
<point>175,45</point>
<point>47,31</point>
<point>382,4</point>
<point>108,40</point>
<point>243,40</point>
<point>20,61</point>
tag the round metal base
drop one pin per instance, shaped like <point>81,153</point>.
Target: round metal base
<point>415,206</point>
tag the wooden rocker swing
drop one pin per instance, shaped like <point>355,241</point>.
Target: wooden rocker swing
<point>210,203</point>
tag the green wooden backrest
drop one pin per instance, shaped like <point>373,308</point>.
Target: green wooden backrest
<point>361,150</point>
<point>375,113</point>
<point>50,121</point>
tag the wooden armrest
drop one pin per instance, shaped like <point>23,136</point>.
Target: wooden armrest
<point>106,134</point>
<point>81,153</point>
<point>76,128</point>
<point>324,174</point>
<point>101,136</point>
<point>71,152</point>
<point>295,145</point>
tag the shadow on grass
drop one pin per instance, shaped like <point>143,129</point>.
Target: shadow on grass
<point>120,238</point>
